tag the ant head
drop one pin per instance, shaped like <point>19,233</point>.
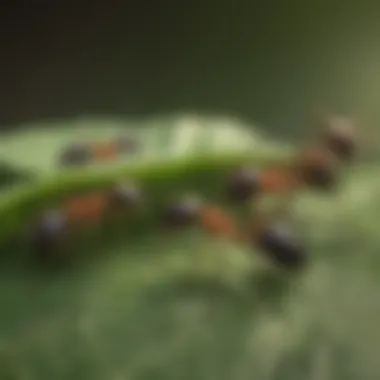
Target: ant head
<point>340,137</point>
<point>243,184</point>
<point>338,134</point>
<point>183,212</point>
<point>317,168</point>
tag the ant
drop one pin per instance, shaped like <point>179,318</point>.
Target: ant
<point>273,237</point>
<point>315,167</point>
<point>84,153</point>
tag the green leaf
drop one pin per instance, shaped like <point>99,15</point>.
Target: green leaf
<point>37,148</point>
<point>187,306</point>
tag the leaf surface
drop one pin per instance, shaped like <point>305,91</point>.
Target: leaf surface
<point>191,307</point>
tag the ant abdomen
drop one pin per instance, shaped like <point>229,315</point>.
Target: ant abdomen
<point>282,246</point>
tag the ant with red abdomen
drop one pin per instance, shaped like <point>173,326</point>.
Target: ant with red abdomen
<point>314,167</point>
<point>84,153</point>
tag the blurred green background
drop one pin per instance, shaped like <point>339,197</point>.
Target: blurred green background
<point>270,62</point>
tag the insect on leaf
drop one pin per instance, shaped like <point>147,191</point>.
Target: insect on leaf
<point>157,304</point>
